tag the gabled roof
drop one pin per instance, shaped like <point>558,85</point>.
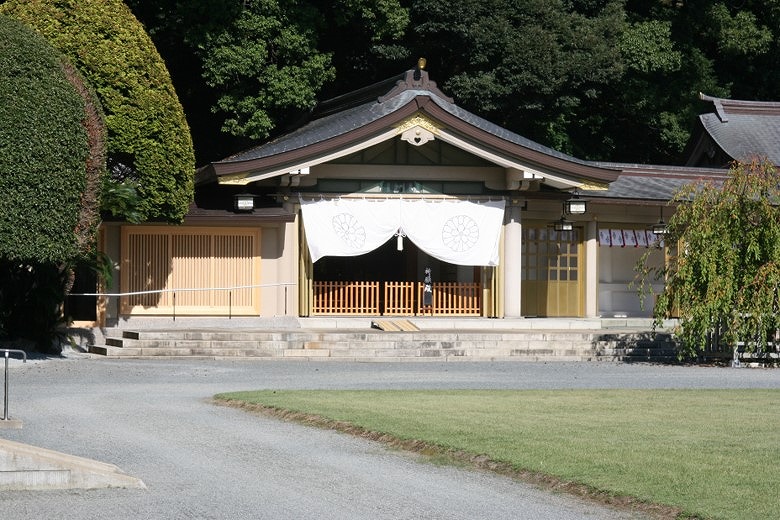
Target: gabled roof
<point>736,130</point>
<point>361,119</point>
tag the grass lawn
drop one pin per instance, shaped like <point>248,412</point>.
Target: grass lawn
<point>710,453</point>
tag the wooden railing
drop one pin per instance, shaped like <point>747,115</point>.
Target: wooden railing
<point>453,298</point>
<point>346,298</point>
<point>398,299</point>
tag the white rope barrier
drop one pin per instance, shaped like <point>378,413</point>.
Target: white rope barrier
<point>158,291</point>
<point>193,289</point>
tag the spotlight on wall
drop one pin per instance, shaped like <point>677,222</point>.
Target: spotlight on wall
<point>244,202</point>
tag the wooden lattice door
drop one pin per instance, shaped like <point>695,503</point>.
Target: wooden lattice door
<point>551,272</point>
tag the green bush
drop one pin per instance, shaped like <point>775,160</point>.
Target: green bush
<point>149,141</point>
<point>51,169</point>
<point>43,150</point>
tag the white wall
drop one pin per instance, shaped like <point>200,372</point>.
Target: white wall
<point>616,272</point>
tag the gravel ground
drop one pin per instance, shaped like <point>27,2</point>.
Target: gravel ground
<point>153,419</point>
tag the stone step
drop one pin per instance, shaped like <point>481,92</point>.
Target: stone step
<point>114,351</point>
<point>276,346</point>
<point>358,354</point>
<point>398,345</point>
<point>180,335</point>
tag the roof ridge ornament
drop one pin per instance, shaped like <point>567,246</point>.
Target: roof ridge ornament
<point>416,79</point>
<point>421,62</point>
<point>718,103</point>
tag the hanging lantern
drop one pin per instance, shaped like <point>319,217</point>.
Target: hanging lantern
<point>660,228</point>
<point>563,224</point>
<point>575,205</point>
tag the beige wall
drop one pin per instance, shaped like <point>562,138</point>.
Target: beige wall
<point>279,270</point>
<point>276,267</point>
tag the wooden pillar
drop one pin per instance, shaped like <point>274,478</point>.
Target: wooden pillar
<point>591,270</point>
<point>513,242</point>
<point>305,272</point>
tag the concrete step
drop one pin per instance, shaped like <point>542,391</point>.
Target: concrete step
<point>114,351</point>
<point>29,467</point>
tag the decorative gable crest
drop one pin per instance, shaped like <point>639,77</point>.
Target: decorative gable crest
<point>417,130</point>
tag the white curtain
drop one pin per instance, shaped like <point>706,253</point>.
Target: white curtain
<point>348,227</point>
<point>457,232</point>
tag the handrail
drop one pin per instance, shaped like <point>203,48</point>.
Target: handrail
<point>5,400</point>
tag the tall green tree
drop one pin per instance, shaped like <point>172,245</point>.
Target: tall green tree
<point>725,276</point>
<point>602,79</point>
<point>366,39</point>
<point>529,66</point>
<point>726,49</point>
<point>263,63</point>
<point>149,144</point>
<point>739,39</point>
<point>52,164</point>
<point>647,114</point>
<point>245,70</point>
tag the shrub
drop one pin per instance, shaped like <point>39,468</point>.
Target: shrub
<point>43,150</point>
<point>51,167</point>
<point>149,141</point>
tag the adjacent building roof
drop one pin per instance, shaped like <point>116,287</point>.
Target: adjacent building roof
<point>217,206</point>
<point>736,130</point>
<point>653,184</point>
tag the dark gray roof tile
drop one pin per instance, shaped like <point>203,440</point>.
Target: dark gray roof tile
<point>746,136</point>
<point>653,182</point>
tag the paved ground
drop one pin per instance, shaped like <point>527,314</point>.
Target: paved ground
<point>153,419</point>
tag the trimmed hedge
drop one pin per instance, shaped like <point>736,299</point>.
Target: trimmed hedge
<point>148,137</point>
<point>43,150</point>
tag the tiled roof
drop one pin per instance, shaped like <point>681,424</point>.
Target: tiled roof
<point>353,118</point>
<point>336,119</point>
<point>325,128</point>
<point>196,214</point>
<point>214,204</point>
<point>653,183</point>
<point>743,127</point>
